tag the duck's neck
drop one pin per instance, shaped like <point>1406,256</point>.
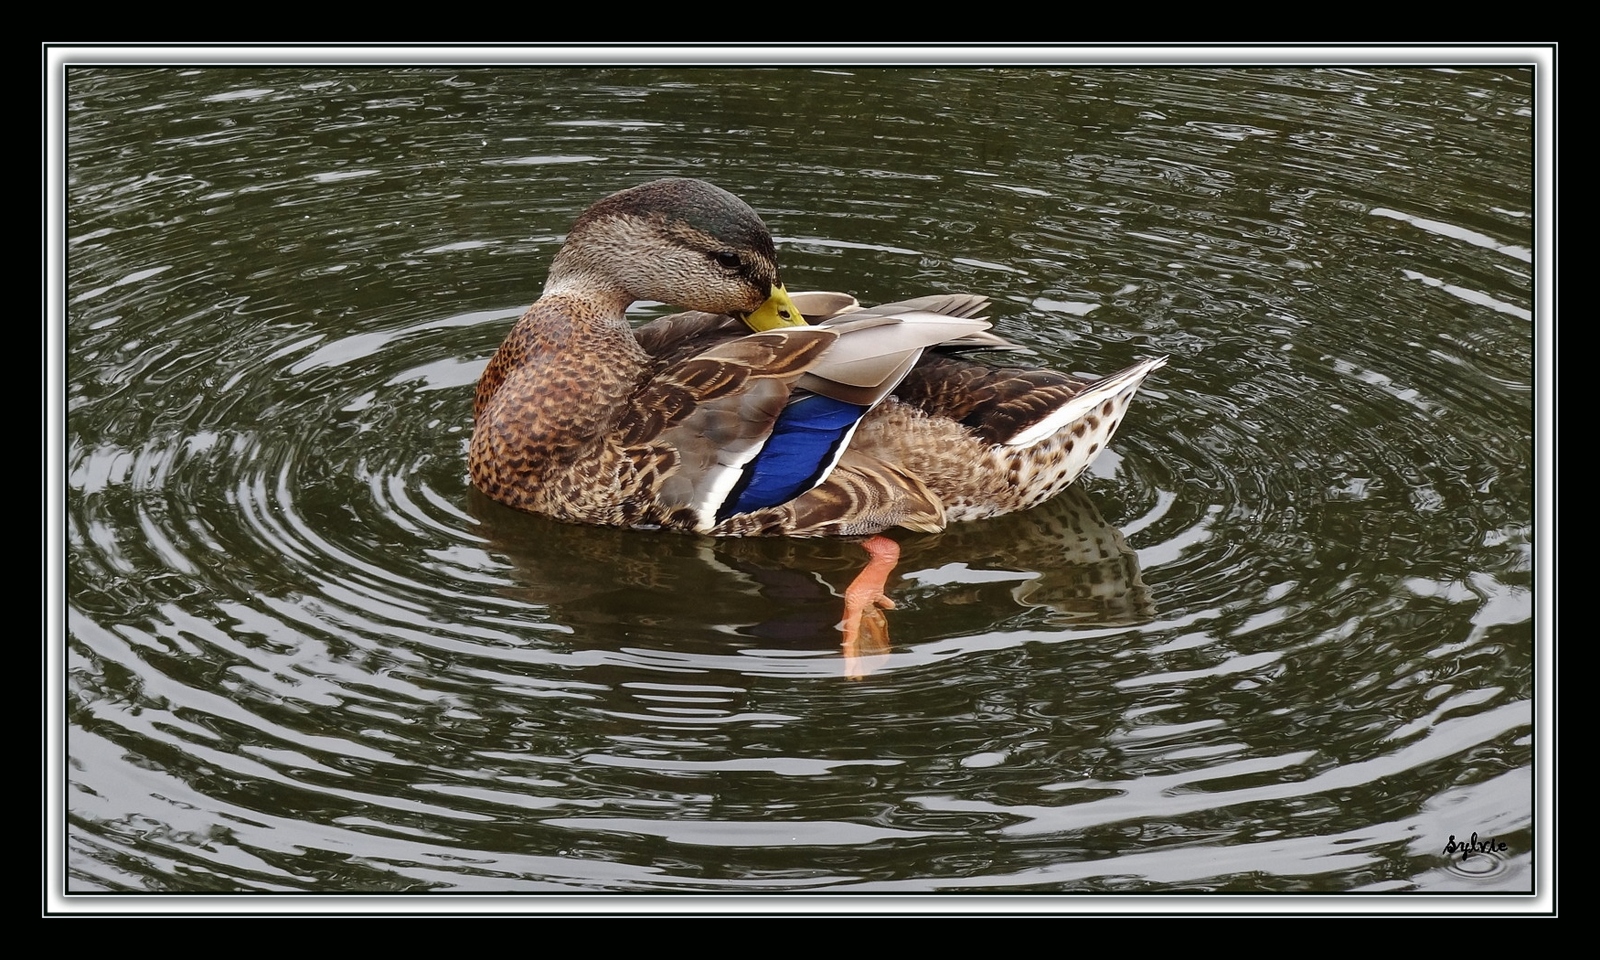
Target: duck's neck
<point>578,276</point>
<point>601,301</point>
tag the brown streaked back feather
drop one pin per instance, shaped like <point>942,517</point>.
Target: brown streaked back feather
<point>995,403</point>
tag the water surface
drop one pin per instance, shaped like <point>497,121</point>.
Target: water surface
<point>1280,639</point>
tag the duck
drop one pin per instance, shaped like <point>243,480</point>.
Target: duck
<point>758,413</point>
<point>755,413</point>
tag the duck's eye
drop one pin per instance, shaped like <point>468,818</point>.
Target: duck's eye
<point>727,259</point>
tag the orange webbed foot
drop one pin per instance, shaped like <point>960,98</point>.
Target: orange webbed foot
<point>866,629</point>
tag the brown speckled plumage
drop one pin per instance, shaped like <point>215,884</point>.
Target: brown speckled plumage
<point>580,418</point>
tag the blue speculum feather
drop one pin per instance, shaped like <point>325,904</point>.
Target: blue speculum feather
<point>803,446</point>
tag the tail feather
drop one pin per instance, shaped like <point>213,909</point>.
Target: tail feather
<point>1097,400</point>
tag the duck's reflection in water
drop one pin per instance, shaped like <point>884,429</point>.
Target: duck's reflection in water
<point>701,594</point>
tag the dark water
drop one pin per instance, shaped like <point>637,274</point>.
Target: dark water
<point>1280,639</point>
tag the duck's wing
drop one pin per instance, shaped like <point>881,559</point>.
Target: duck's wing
<point>819,307</point>
<point>752,432</point>
<point>1018,406</point>
<point>680,336</point>
<point>694,429</point>
<point>807,454</point>
<point>723,442</point>
<point>756,422</point>
<point>877,348</point>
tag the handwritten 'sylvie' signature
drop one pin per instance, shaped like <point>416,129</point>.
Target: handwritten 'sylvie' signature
<point>1469,847</point>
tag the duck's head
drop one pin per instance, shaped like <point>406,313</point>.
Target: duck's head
<point>679,241</point>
